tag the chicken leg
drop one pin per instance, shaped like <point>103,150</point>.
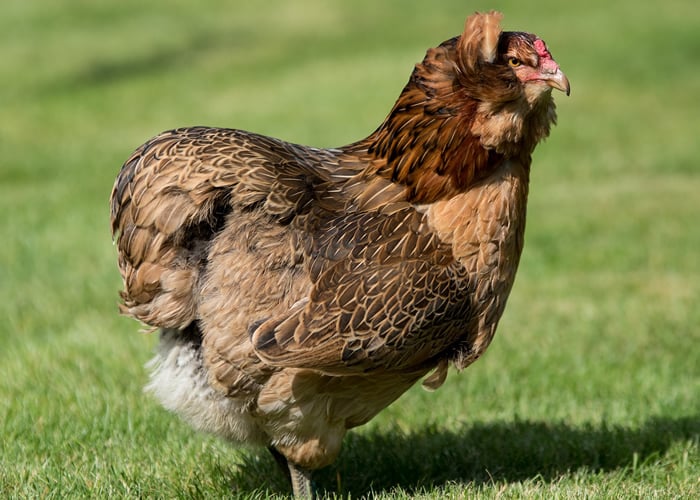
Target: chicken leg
<point>300,478</point>
<point>302,485</point>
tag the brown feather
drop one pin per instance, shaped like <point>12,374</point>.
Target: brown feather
<point>302,290</point>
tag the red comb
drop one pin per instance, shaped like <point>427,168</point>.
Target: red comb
<point>541,48</point>
<point>546,60</point>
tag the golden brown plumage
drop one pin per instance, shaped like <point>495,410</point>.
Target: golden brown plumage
<point>300,291</point>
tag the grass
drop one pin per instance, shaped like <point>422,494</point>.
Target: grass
<point>592,386</point>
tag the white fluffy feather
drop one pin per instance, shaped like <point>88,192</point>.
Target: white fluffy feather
<point>179,381</point>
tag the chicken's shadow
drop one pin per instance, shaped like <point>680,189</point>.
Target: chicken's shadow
<point>377,461</point>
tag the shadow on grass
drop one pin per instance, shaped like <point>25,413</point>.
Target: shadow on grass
<point>478,453</point>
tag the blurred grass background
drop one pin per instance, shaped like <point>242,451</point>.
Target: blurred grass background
<point>592,386</point>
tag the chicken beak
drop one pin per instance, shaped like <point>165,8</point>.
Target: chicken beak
<point>559,81</point>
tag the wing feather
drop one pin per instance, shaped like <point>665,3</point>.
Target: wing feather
<point>384,296</point>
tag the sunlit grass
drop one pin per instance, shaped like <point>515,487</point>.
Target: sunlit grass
<point>591,388</point>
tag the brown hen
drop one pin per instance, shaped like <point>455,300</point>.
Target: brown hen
<point>300,291</point>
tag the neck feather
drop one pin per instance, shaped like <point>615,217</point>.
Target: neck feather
<point>445,133</point>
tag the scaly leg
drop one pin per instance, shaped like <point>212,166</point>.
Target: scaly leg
<point>301,482</point>
<point>300,478</point>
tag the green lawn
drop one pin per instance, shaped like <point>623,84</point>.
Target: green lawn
<point>591,388</point>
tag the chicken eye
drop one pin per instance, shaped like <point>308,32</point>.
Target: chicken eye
<point>514,62</point>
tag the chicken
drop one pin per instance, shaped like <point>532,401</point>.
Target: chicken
<point>299,291</point>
